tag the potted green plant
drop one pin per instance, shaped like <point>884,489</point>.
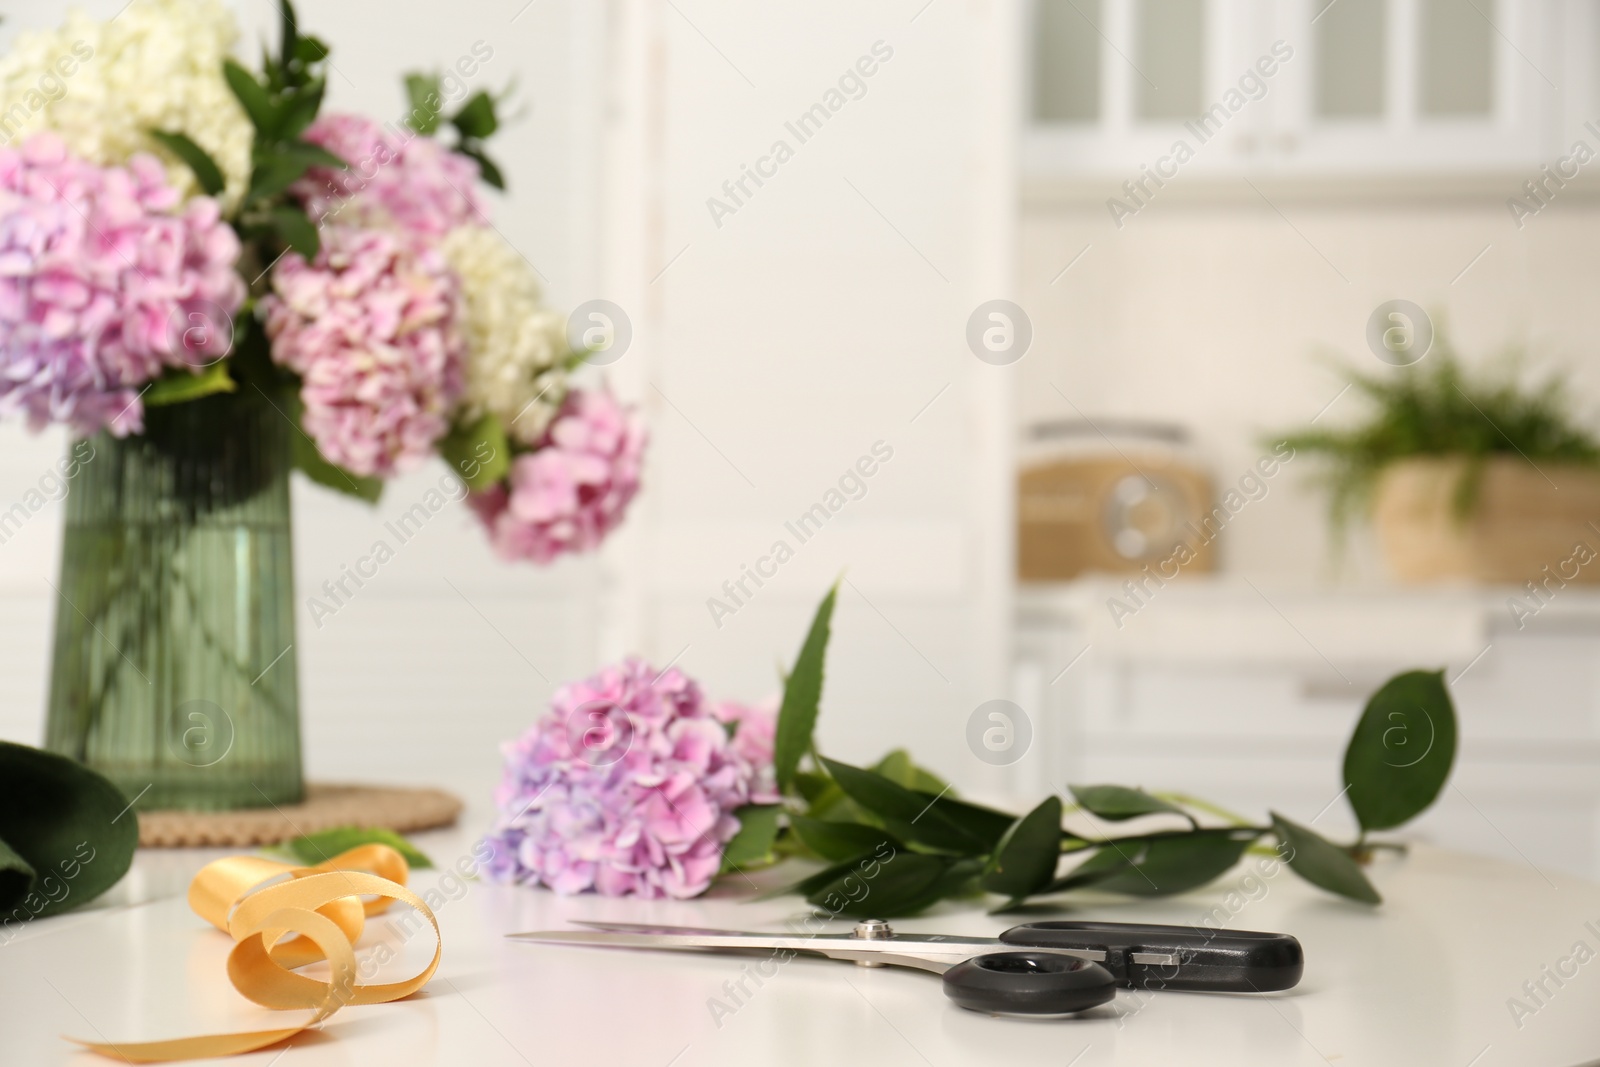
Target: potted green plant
<point>1466,476</point>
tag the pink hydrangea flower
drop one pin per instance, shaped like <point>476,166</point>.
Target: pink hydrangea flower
<point>396,177</point>
<point>106,280</point>
<point>371,327</point>
<point>573,489</point>
<point>755,729</point>
<point>627,787</point>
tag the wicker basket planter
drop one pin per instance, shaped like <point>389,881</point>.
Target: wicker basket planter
<point>1525,520</point>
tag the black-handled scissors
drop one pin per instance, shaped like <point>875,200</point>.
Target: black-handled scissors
<point>1043,968</point>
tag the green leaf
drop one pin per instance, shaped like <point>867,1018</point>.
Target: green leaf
<point>898,768</point>
<point>478,453</point>
<point>288,33</point>
<point>976,821</point>
<point>1101,865</point>
<point>818,790</point>
<point>205,169</point>
<point>309,50</point>
<point>1321,862</point>
<point>273,76</point>
<point>840,841</point>
<point>902,885</point>
<point>316,848</point>
<point>758,829</point>
<point>16,875</point>
<point>959,879</point>
<point>300,110</point>
<point>909,815</point>
<point>476,119</point>
<point>488,170</point>
<point>1400,754</point>
<point>274,172</point>
<point>802,694</point>
<point>253,97</point>
<point>812,882</point>
<point>1159,864</point>
<point>314,154</point>
<point>422,90</point>
<point>862,886</point>
<point>1176,863</point>
<point>70,826</point>
<point>178,385</point>
<point>310,462</point>
<point>279,167</point>
<point>1117,802</point>
<point>295,229</point>
<point>1026,858</point>
<point>824,799</point>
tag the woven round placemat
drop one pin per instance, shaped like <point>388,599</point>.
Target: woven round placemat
<point>325,807</point>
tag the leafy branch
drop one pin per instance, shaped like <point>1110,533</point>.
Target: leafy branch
<point>474,122</point>
<point>1395,765</point>
<point>281,105</point>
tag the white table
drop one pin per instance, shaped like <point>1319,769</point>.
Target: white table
<point>1423,980</point>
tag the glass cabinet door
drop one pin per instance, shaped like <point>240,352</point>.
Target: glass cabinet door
<point>1424,85</point>
<point>1350,52</point>
<point>1066,68</point>
<point>1169,58</point>
<point>1369,86</point>
<point>1116,83</point>
<point>1455,60</point>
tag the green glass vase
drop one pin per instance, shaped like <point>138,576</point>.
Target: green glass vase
<point>174,667</point>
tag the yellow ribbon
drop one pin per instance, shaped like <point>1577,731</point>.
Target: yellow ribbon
<point>324,906</point>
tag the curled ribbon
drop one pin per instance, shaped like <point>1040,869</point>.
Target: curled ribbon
<point>323,905</point>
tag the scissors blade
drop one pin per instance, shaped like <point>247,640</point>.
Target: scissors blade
<point>659,937</point>
<point>653,928</point>
<point>917,954</point>
<point>942,943</point>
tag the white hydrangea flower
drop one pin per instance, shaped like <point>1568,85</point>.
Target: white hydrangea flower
<point>102,85</point>
<point>516,345</point>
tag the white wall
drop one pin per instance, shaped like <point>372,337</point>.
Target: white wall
<point>825,314</point>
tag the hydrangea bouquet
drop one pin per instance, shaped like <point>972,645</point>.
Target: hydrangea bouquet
<point>174,225</point>
<point>211,281</point>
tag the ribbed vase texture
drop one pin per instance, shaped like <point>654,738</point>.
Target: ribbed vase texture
<point>174,668</point>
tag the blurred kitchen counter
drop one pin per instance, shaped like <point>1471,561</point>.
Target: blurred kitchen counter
<point>1244,692</point>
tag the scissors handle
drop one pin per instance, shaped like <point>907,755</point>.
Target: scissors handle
<point>1028,983</point>
<point>1147,956</point>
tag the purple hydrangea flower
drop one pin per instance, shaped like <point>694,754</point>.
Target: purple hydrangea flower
<point>627,787</point>
<point>106,280</point>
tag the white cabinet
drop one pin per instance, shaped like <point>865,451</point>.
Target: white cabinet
<point>1245,696</point>
<point>1306,87</point>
